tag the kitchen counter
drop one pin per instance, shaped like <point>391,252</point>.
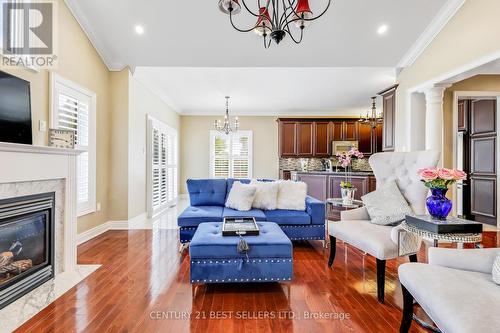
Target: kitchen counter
<point>323,185</point>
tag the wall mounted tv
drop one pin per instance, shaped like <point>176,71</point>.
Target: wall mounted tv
<point>15,110</point>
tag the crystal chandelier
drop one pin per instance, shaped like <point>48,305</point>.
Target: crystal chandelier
<point>374,118</point>
<point>226,126</point>
<point>274,17</point>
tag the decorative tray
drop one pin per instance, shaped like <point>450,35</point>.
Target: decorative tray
<point>235,226</point>
<point>452,225</point>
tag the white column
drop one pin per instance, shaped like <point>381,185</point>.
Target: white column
<point>434,118</point>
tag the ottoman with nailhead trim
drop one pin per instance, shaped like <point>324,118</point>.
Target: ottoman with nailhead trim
<point>215,258</point>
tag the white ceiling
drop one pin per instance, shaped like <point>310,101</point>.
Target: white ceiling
<point>191,56</point>
<point>267,91</point>
<point>196,34</point>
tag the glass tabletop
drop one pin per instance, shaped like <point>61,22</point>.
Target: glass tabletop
<point>339,202</point>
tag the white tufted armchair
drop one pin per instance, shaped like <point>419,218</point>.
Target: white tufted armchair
<point>379,241</point>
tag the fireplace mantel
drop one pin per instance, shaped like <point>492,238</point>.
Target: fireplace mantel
<point>27,163</point>
<point>21,148</point>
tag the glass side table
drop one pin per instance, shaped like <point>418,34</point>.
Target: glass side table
<point>338,203</point>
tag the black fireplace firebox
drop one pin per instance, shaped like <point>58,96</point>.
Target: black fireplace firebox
<point>26,244</point>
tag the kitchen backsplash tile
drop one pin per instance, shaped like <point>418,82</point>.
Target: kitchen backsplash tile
<point>314,164</point>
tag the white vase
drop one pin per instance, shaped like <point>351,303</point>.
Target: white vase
<point>347,195</point>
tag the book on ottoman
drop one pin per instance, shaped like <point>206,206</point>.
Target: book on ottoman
<point>452,225</point>
<point>235,226</point>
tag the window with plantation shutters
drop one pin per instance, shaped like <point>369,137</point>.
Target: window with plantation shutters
<point>73,108</point>
<point>162,166</point>
<point>231,155</point>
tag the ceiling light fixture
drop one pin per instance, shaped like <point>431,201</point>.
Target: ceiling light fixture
<point>382,29</point>
<point>274,17</point>
<point>374,118</point>
<point>139,29</point>
<point>226,126</point>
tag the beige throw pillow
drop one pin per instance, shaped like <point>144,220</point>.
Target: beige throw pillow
<point>386,205</point>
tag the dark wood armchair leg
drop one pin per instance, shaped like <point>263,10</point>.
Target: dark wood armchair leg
<point>333,250</point>
<point>380,280</point>
<point>407,311</point>
<point>413,258</point>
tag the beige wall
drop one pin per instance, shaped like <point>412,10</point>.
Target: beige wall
<point>473,33</point>
<point>119,141</point>
<point>143,102</point>
<point>79,62</point>
<point>195,138</point>
<point>477,83</point>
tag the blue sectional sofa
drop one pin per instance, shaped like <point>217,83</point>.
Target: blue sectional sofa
<point>208,198</point>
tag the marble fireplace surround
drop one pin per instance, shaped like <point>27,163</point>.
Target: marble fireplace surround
<point>25,170</point>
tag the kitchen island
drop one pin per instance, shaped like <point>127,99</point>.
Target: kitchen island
<point>324,184</point>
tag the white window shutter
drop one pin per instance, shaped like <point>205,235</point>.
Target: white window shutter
<point>162,161</point>
<point>231,155</point>
<point>73,108</point>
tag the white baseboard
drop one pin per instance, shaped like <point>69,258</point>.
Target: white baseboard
<point>102,228</point>
<point>117,225</point>
<point>92,233</point>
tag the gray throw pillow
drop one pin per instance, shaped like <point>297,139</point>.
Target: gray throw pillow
<point>496,270</point>
<point>386,205</point>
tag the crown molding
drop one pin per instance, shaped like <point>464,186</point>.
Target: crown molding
<point>98,44</point>
<point>430,33</point>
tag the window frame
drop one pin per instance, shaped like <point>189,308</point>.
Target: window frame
<point>57,81</point>
<point>213,135</point>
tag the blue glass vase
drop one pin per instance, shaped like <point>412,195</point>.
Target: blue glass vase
<point>438,205</point>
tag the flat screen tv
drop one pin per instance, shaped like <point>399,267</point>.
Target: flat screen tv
<point>15,110</point>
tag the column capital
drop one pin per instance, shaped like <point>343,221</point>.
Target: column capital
<point>435,94</point>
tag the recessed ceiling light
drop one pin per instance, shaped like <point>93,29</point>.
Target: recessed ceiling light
<point>382,30</point>
<point>139,29</point>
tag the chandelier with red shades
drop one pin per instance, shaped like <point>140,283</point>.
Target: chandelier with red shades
<point>274,18</point>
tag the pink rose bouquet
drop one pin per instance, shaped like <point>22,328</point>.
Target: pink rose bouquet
<point>441,177</point>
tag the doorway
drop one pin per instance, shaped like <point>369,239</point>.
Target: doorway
<point>477,153</point>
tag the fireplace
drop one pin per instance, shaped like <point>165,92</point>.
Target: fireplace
<point>26,244</point>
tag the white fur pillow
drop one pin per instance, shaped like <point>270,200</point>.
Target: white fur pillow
<point>241,196</point>
<point>266,196</point>
<point>495,273</point>
<point>292,195</point>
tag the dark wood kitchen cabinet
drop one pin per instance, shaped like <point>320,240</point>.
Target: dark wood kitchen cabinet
<point>366,139</point>
<point>351,130</point>
<point>337,130</point>
<point>322,138</point>
<point>305,139</point>
<point>369,139</point>
<point>287,138</point>
<point>310,137</point>
<point>389,109</point>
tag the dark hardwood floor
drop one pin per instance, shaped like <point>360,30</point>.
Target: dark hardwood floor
<point>143,286</point>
